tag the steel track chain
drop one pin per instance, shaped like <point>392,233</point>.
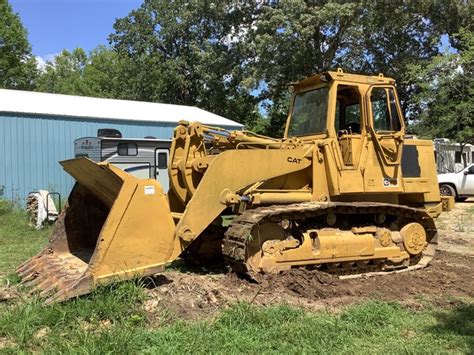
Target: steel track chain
<point>236,236</point>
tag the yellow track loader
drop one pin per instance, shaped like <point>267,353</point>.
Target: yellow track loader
<point>345,190</point>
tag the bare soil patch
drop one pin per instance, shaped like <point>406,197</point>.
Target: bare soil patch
<point>192,296</point>
<point>6,343</point>
<point>7,292</point>
<point>456,229</point>
<point>195,294</point>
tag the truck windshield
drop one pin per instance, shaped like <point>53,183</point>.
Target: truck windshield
<point>309,113</point>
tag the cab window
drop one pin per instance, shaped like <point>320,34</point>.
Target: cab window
<point>348,117</point>
<point>384,110</point>
<point>309,113</point>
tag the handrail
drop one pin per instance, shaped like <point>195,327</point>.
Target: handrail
<point>380,148</point>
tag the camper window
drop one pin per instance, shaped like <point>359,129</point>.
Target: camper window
<point>127,149</point>
<point>162,160</point>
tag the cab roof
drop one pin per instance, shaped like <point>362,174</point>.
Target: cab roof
<point>339,75</point>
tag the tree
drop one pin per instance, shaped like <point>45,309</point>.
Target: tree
<point>17,66</point>
<point>446,94</point>
<point>185,53</point>
<point>65,74</point>
<point>290,40</point>
<point>99,73</point>
<point>104,74</point>
<point>237,58</point>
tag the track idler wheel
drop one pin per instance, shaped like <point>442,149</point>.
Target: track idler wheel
<point>414,238</point>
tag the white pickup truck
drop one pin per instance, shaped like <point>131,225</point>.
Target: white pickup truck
<point>460,184</point>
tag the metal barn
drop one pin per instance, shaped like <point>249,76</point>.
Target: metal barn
<point>38,129</point>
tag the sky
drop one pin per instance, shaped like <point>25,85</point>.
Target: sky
<point>54,25</point>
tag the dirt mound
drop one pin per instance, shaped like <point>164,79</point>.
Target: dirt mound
<point>311,284</point>
<point>193,296</point>
<point>448,274</point>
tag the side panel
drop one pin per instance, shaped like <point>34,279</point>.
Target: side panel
<point>138,235</point>
<point>230,172</point>
<point>424,186</point>
<point>378,177</point>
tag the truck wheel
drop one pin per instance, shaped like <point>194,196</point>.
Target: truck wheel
<point>461,199</point>
<point>447,190</point>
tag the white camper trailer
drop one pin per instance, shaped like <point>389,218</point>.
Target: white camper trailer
<point>145,158</point>
<point>449,158</point>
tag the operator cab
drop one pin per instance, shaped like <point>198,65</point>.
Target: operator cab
<point>349,108</point>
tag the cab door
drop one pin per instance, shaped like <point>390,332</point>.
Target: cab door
<point>386,132</point>
<point>349,125</point>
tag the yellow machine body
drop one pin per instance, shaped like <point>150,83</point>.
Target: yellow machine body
<point>345,188</point>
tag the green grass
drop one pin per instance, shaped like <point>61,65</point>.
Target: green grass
<point>372,327</point>
<point>113,320</point>
<point>77,324</point>
<point>18,241</point>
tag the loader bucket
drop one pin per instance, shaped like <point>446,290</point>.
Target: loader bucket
<point>114,227</point>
